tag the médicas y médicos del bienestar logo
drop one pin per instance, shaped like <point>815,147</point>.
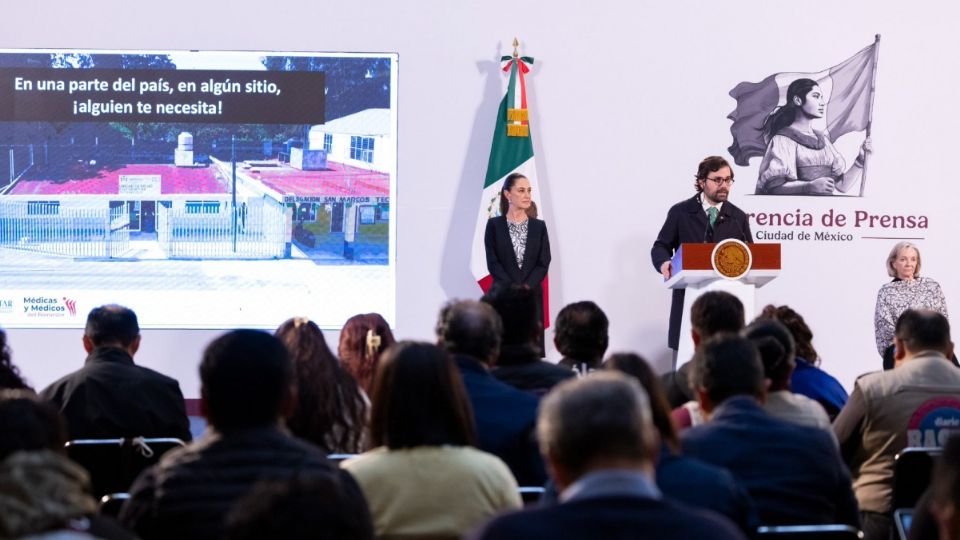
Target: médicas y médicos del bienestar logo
<point>48,306</point>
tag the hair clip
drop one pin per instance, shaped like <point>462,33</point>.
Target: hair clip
<point>300,321</point>
<point>373,342</point>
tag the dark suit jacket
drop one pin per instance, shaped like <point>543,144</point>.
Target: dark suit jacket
<point>611,518</point>
<point>708,487</point>
<point>502,262</point>
<point>111,397</point>
<point>687,222</point>
<point>794,473</point>
<point>505,419</point>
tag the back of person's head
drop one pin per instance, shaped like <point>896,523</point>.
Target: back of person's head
<point>301,508</point>
<point>246,380</point>
<point>470,328</point>
<point>638,368</point>
<point>726,366</point>
<point>944,490</point>
<point>330,411</point>
<point>585,424</point>
<point>924,330</point>
<point>419,399</point>
<point>775,344</point>
<point>27,423</point>
<point>581,332</point>
<point>714,312</point>
<point>802,335</point>
<point>9,374</point>
<point>112,325</point>
<point>363,339</point>
<point>517,307</point>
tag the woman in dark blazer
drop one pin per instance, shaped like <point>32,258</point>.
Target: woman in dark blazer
<point>518,250</point>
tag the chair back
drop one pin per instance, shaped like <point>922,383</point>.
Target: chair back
<point>530,494</point>
<point>911,475</point>
<point>337,459</point>
<point>111,504</point>
<point>810,532</point>
<point>114,464</point>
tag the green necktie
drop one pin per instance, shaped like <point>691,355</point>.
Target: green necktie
<point>712,215</point>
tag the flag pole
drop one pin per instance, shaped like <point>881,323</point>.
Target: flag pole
<point>873,91</point>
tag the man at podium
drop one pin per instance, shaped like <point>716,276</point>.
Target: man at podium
<point>706,217</point>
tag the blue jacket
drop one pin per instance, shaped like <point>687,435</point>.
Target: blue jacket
<point>505,419</point>
<point>794,473</point>
<point>701,485</point>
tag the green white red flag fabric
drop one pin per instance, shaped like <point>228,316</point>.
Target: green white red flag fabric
<point>511,151</point>
<point>847,87</point>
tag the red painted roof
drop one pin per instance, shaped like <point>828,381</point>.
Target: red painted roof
<point>337,180</point>
<point>82,179</point>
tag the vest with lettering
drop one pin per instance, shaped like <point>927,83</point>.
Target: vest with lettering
<point>916,405</point>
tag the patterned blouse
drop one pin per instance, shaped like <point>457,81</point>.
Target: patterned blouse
<point>900,295</point>
<point>518,237</point>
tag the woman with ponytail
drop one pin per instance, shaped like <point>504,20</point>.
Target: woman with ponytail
<point>801,159</point>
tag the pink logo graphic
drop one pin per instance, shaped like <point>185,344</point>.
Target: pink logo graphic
<point>71,306</point>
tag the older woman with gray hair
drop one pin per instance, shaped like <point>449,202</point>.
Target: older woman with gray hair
<point>908,290</point>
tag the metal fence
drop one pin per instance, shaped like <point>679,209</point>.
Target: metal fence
<point>74,232</point>
<point>255,229</point>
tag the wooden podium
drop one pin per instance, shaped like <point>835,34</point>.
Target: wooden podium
<point>730,266</point>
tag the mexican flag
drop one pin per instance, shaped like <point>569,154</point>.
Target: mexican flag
<point>511,151</point>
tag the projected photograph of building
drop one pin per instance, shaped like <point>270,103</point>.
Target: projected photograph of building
<point>82,196</point>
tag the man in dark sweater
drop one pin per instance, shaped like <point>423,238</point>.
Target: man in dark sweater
<point>246,390</point>
<point>110,396</point>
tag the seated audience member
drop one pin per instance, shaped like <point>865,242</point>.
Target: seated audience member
<point>42,493</point>
<point>680,477</point>
<point>362,340</point>
<point>807,379</point>
<point>505,417</point>
<point>424,479</point>
<point>581,336</point>
<point>597,436</point>
<point>247,388</point>
<point>793,473</point>
<point>776,348</point>
<point>891,410</point>
<point>9,374</point>
<point>301,508</point>
<point>711,313</point>
<point>943,496</point>
<point>519,363</point>
<point>110,396</point>
<point>331,409</point>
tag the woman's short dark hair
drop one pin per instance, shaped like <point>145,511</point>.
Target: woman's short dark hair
<point>9,374</point>
<point>27,423</point>
<point>363,339</point>
<point>419,399</point>
<point>507,186</point>
<point>330,408</point>
<point>802,335</point>
<point>517,307</point>
<point>777,350</point>
<point>635,366</point>
<point>784,116</point>
<point>708,165</point>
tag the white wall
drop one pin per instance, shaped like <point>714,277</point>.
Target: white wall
<point>626,98</point>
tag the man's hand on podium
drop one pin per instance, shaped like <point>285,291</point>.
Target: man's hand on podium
<point>665,270</point>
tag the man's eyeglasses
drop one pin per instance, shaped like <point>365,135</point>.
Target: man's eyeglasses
<point>719,181</point>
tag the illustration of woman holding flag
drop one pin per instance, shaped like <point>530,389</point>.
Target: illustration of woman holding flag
<point>802,160</point>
